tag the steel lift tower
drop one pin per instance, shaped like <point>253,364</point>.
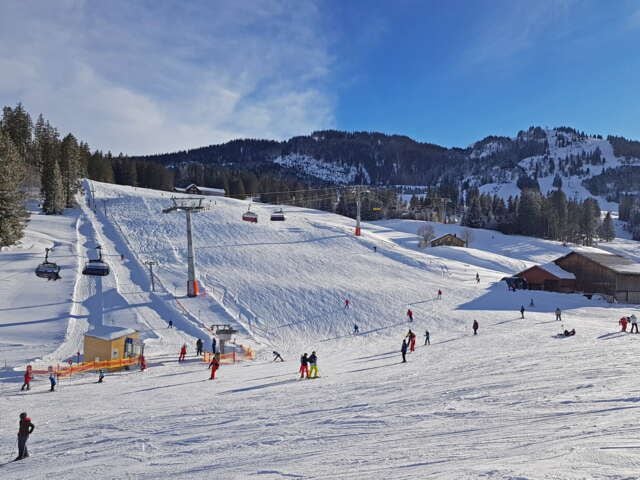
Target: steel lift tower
<point>188,205</point>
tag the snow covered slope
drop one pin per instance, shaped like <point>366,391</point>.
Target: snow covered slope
<point>513,402</point>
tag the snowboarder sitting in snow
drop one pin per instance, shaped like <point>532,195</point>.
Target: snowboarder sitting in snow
<point>24,430</point>
<point>313,361</point>
<point>52,381</point>
<point>304,366</point>
<point>277,356</point>
<point>569,333</point>
<point>214,365</point>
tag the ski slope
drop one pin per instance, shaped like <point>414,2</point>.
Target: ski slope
<point>513,402</point>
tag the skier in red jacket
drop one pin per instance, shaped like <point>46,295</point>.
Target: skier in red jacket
<point>410,315</point>
<point>623,324</point>
<point>183,352</point>
<point>412,341</point>
<point>27,379</point>
<point>214,365</point>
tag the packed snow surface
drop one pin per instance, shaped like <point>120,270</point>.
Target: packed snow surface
<point>515,401</point>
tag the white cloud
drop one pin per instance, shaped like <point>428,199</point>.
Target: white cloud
<point>169,75</point>
<point>515,27</point>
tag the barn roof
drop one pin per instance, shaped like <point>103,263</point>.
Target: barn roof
<point>556,271</point>
<point>553,269</point>
<point>106,332</point>
<point>611,261</point>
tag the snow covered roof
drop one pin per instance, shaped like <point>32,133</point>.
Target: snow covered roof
<point>611,261</point>
<point>106,332</point>
<point>204,190</point>
<point>556,271</point>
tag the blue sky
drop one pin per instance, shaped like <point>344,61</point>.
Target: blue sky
<point>151,76</point>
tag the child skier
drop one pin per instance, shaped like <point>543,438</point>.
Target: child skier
<point>27,380</point>
<point>623,324</point>
<point>52,381</point>
<point>313,361</point>
<point>475,327</point>
<point>410,315</point>
<point>214,365</point>
<point>304,366</point>
<point>183,353</point>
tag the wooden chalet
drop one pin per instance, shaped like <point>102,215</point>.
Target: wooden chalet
<point>448,240</point>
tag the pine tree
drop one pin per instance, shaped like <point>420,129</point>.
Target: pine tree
<point>52,188</point>
<point>12,212</point>
<point>607,229</point>
<point>69,167</point>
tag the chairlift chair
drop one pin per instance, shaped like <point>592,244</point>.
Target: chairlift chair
<point>47,269</point>
<point>250,216</point>
<point>96,268</point>
<point>277,216</point>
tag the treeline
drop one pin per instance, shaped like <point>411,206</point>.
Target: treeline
<point>552,216</point>
<point>629,212</point>
<point>34,157</point>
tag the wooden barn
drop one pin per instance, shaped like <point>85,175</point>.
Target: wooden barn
<point>448,240</point>
<point>194,189</point>
<point>599,272</point>
<point>549,277</point>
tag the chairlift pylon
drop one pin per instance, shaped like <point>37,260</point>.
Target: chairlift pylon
<point>47,269</point>
<point>96,268</point>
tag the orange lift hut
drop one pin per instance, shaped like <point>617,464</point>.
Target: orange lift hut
<point>110,343</point>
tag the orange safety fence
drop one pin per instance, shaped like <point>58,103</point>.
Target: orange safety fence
<point>233,357</point>
<point>67,371</point>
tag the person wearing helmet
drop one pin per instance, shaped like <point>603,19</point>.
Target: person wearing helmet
<point>24,430</point>
<point>304,366</point>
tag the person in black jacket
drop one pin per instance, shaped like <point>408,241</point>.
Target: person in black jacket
<point>24,430</point>
<point>475,327</point>
<point>199,347</point>
<point>403,350</point>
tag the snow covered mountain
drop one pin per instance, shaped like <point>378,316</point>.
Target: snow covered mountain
<point>584,164</point>
<point>515,401</point>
